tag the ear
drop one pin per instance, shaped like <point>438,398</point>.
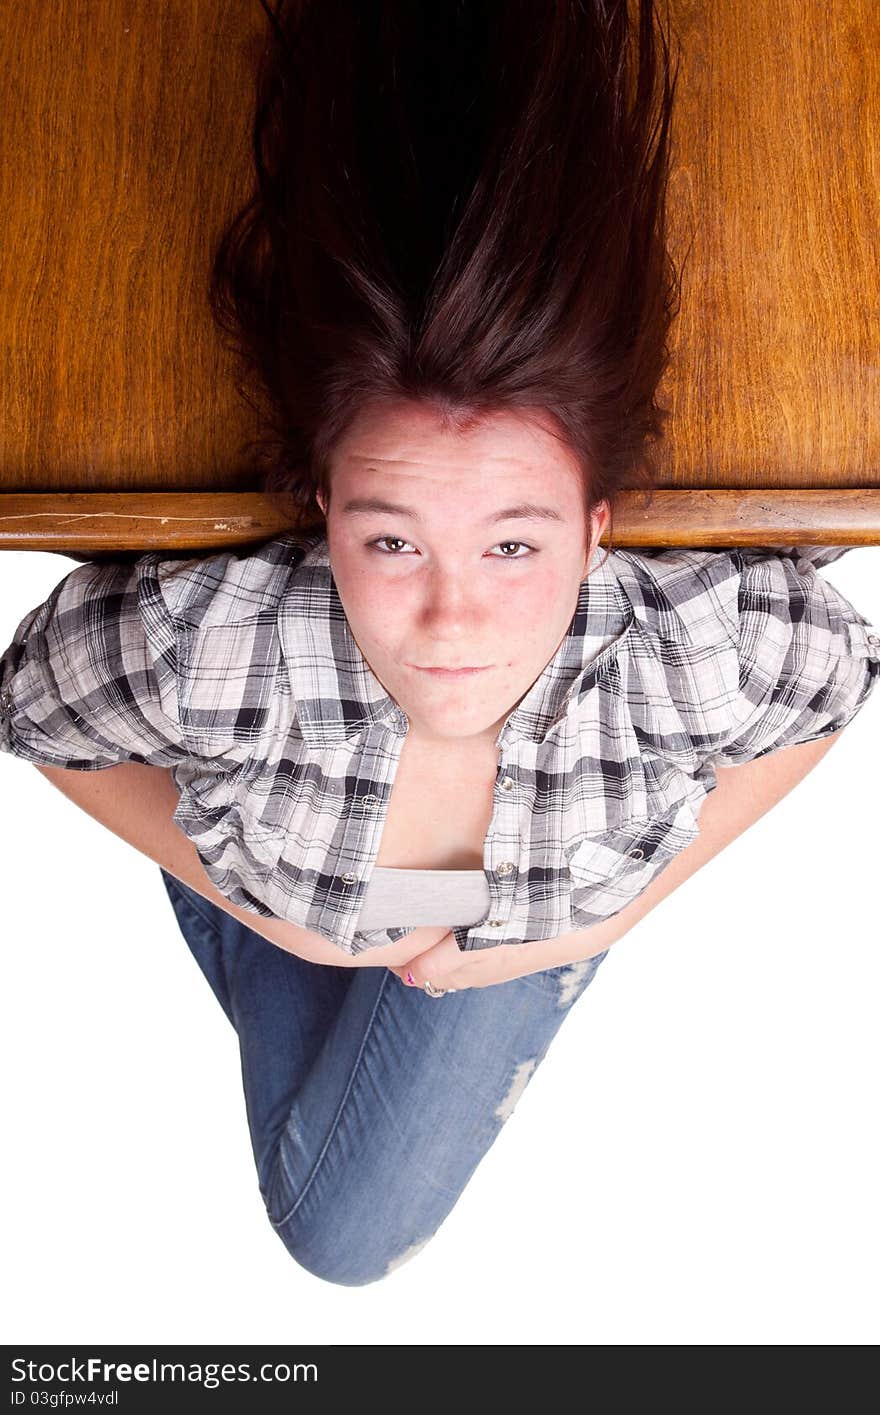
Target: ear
<point>319,497</point>
<point>600,516</point>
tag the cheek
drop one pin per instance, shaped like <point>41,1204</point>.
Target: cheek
<point>537,602</point>
<point>367,598</point>
<point>379,609</point>
<point>386,615</point>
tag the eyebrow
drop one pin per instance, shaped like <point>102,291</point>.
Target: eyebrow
<point>524,511</point>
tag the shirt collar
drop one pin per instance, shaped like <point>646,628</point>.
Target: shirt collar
<point>337,695</point>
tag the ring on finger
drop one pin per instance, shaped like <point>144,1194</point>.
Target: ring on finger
<point>435,992</point>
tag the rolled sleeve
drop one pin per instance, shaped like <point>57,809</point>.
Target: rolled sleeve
<point>808,660</point>
<point>90,678</point>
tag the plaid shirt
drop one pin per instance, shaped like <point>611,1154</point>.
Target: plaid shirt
<point>240,674</point>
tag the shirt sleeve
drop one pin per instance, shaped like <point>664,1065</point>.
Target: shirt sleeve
<point>808,660</point>
<point>90,678</point>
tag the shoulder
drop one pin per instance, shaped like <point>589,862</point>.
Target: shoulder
<point>697,597</point>
<point>684,595</point>
<point>223,612</point>
<point>727,637</point>
<point>789,613</point>
<point>232,587</point>
<point>678,664</point>
<point>713,627</point>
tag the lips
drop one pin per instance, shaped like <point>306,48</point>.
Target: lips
<point>449,672</point>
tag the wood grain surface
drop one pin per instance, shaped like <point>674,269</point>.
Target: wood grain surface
<point>124,150</point>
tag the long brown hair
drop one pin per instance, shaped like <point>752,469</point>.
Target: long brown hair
<point>461,202</point>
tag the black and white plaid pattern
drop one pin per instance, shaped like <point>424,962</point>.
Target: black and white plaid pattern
<point>239,672</point>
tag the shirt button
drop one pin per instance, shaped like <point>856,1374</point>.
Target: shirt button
<point>505,868</point>
<point>873,639</point>
<point>507,783</point>
<point>636,854</point>
<point>370,800</point>
<point>349,879</point>
<point>494,923</point>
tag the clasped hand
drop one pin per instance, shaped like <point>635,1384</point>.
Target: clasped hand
<point>445,965</point>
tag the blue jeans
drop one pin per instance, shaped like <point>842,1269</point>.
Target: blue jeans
<point>369,1103</point>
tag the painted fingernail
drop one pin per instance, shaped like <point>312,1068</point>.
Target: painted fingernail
<point>410,979</point>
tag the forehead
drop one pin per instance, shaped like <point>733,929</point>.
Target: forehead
<point>411,441</point>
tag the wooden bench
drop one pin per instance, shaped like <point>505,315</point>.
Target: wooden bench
<point>124,150</point>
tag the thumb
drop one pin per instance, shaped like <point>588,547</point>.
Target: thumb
<point>437,964</point>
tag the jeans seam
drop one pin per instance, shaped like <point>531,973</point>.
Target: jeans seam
<point>279,1223</point>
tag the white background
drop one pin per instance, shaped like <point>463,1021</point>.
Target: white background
<point>694,1162</point>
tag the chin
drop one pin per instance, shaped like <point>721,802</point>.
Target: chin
<point>452,731</point>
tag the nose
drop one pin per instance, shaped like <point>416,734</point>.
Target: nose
<point>451,609</point>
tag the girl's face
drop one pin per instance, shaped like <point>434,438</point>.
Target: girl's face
<point>457,551</point>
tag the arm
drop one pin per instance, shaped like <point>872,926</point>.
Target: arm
<point>137,803</point>
<point>744,793</point>
<point>89,692</point>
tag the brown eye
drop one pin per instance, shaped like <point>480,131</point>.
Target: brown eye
<point>530,549</point>
<point>377,544</point>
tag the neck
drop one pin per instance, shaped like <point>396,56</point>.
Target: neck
<point>479,741</point>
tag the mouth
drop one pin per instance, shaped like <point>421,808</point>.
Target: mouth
<point>449,672</point>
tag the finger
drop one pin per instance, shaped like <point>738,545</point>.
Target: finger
<point>403,974</point>
<point>441,959</point>
<point>441,964</point>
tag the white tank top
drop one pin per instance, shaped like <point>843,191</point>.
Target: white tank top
<point>409,898</point>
